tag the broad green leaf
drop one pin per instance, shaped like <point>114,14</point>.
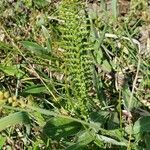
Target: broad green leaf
<point>36,49</point>
<point>13,119</point>
<point>57,127</point>
<point>142,125</point>
<point>92,125</point>
<point>99,117</point>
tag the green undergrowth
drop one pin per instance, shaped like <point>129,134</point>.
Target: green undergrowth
<point>74,75</point>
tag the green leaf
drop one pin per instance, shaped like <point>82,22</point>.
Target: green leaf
<point>36,49</point>
<point>147,141</point>
<point>83,140</point>
<point>39,118</point>
<point>92,125</point>
<point>126,93</point>
<point>40,21</point>
<point>48,39</point>
<point>12,70</point>
<point>114,8</point>
<point>2,141</point>
<point>113,121</point>
<point>57,127</point>
<point>13,119</point>
<point>36,89</point>
<point>99,117</point>
<point>106,66</point>
<point>142,125</point>
<point>42,3</point>
<point>109,140</point>
<point>99,56</point>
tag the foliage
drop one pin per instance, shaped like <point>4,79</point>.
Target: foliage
<point>74,74</point>
<point>77,55</point>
